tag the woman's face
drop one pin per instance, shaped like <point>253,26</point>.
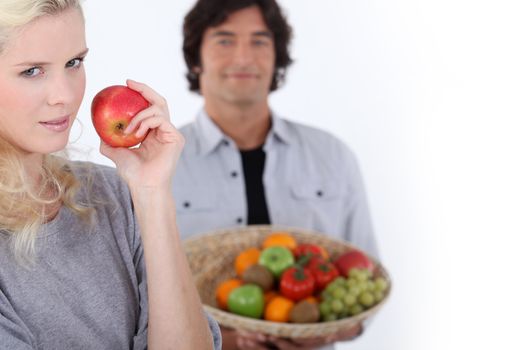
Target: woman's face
<point>42,82</point>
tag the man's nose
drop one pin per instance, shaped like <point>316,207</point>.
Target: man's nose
<point>243,53</point>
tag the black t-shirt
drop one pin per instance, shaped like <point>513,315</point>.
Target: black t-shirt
<point>253,167</point>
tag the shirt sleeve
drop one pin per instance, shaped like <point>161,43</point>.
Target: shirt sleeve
<point>215,332</point>
<point>359,228</point>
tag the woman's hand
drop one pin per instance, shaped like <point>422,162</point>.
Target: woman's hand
<point>152,164</point>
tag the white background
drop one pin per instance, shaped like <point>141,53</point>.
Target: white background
<point>430,96</point>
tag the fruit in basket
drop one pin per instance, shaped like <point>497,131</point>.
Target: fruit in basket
<point>297,283</point>
<point>350,296</point>
<point>324,272</point>
<point>278,309</point>
<point>276,259</point>
<point>353,259</point>
<point>259,275</point>
<point>247,300</point>
<point>245,259</point>
<point>309,250</point>
<point>223,291</point>
<point>305,312</point>
<point>283,239</point>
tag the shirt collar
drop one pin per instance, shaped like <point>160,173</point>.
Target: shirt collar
<point>279,130</point>
<point>210,136</point>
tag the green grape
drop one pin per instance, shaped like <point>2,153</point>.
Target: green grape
<point>337,305</point>
<point>378,295</point>
<point>362,276</point>
<point>349,299</point>
<point>339,281</point>
<point>366,299</point>
<point>353,273</point>
<point>381,284</point>
<point>330,288</point>
<point>338,293</point>
<point>325,308</point>
<point>325,294</point>
<point>370,286</point>
<point>329,317</point>
<point>350,283</point>
<point>345,313</point>
<point>363,286</point>
<point>356,309</point>
<point>355,291</point>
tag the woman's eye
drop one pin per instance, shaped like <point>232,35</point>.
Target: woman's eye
<point>74,62</point>
<point>32,72</point>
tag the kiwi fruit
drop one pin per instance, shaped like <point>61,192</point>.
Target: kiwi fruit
<point>305,312</point>
<point>259,275</point>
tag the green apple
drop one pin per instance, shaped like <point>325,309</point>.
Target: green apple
<point>276,259</point>
<point>247,300</point>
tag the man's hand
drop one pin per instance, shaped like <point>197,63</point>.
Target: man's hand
<point>233,340</point>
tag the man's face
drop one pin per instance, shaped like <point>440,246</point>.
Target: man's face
<point>237,59</point>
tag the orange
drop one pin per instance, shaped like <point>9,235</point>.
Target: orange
<point>269,295</point>
<point>278,309</point>
<point>283,239</point>
<point>245,259</point>
<point>223,291</point>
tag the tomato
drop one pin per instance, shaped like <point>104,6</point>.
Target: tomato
<point>297,283</point>
<point>306,249</point>
<point>324,272</point>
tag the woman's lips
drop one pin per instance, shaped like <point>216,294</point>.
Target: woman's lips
<point>57,125</point>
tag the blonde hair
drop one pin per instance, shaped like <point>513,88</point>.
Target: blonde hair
<point>23,207</point>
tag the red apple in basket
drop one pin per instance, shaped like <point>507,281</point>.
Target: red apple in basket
<point>353,259</point>
<point>111,111</point>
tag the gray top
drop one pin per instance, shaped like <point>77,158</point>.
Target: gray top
<point>87,289</point>
<point>311,180</point>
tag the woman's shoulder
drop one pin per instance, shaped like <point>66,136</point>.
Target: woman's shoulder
<point>99,179</point>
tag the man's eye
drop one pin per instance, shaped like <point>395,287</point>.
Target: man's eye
<point>32,72</point>
<point>260,42</point>
<point>225,42</point>
<point>74,63</point>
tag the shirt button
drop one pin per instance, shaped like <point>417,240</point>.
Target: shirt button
<point>233,174</point>
<point>239,220</point>
<point>186,204</point>
<point>319,193</point>
<point>225,142</point>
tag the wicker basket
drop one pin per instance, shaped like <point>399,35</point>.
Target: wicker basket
<point>212,255</point>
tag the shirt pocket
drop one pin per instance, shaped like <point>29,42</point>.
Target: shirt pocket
<point>317,190</point>
<point>195,200</point>
<point>318,205</point>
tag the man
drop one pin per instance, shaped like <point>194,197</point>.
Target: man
<point>242,164</point>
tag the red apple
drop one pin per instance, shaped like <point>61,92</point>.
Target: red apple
<point>353,259</point>
<point>111,111</point>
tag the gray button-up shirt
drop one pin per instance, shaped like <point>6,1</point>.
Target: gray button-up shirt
<point>311,180</point>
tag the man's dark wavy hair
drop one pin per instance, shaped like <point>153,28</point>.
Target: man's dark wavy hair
<point>211,13</point>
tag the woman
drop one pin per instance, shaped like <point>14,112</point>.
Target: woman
<point>78,243</point>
